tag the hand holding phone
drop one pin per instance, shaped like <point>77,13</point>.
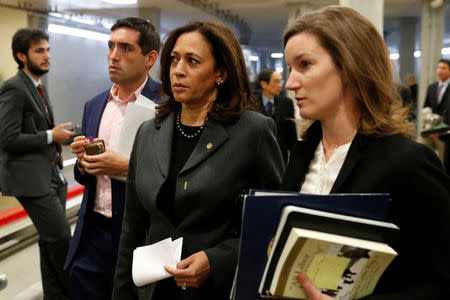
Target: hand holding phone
<point>94,148</point>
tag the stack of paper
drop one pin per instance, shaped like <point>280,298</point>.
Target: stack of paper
<point>141,110</point>
<point>149,261</point>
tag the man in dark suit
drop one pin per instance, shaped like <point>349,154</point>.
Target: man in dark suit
<point>438,98</point>
<point>30,156</point>
<point>133,49</point>
<point>277,106</point>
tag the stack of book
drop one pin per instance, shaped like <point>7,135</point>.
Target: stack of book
<point>340,241</point>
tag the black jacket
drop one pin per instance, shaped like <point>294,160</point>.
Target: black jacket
<point>420,192</point>
<point>283,117</point>
<point>227,159</point>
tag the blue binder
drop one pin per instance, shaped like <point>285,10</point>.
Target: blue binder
<point>260,220</point>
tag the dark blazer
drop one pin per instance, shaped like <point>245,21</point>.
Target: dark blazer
<point>443,108</point>
<point>228,159</point>
<point>26,160</point>
<point>420,192</point>
<point>283,117</point>
<point>92,115</point>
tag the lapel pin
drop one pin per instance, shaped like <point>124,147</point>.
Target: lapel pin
<point>209,146</point>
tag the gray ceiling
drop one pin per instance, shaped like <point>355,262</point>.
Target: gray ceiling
<point>266,19</point>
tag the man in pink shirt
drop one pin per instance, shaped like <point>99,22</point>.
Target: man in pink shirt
<point>133,49</point>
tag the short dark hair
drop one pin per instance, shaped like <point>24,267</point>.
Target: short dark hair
<point>234,95</point>
<point>265,75</point>
<point>23,39</point>
<point>446,61</point>
<point>148,39</point>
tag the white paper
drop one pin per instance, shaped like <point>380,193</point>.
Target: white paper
<point>141,110</point>
<point>149,261</point>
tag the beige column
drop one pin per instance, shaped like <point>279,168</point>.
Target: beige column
<point>10,21</point>
<point>371,9</point>
<point>431,35</point>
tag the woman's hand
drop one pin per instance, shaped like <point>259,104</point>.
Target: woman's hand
<point>192,271</point>
<point>310,289</point>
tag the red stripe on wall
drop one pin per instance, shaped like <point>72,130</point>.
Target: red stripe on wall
<point>17,213</point>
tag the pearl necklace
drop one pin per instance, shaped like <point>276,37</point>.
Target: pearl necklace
<point>189,136</point>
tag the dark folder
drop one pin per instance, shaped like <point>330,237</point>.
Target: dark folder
<point>260,220</point>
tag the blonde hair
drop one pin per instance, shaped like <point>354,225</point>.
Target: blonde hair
<point>359,51</point>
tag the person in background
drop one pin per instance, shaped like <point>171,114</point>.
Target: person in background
<point>438,99</point>
<point>189,166</point>
<point>412,84</point>
<point>359,143</point>
<point>133,49</point>
<point>30,156</point>
<point>280,108</point>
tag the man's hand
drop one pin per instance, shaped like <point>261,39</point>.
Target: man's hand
<point>78,146</point>
<point>310,289</point>
<point>193,270</point>
<point>60,134</point>
<point>109,163</point>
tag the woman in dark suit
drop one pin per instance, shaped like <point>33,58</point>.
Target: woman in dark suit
<point>190,164</point>
<point>358,143</point>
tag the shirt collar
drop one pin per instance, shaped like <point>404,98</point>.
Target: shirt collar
<point>114,92</point>
<point>265,99</point>
<point>36,83</point>
<point>444,83</point>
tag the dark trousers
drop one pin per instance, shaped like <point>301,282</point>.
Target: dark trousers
<point>92,268</point>
<point>48,216</point>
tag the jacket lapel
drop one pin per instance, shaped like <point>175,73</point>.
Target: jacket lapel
<point>162,142</point>
<point>213,137</point>
<point>36,98</point>
<point>353,156</point>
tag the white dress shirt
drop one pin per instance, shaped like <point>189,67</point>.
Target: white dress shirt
<point>321,174</point>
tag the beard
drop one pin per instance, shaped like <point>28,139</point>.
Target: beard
<point>35,69</point>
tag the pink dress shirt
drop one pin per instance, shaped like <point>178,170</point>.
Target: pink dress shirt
<point>110,123</point>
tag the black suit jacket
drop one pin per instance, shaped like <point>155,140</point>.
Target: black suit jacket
<point>228,159</point>
<point>26,160</point>
<point>283,117</point>
<point>443,108</point>
<point>420,192</point>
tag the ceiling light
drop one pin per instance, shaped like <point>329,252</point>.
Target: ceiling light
<point>276,55</point>
<point>120,1</point>
<point>445,51</point>
<point>394,56</point>
<point>88,34</point>
<point>279,69</point>
<point>253,58</point>
<point>417,53</point>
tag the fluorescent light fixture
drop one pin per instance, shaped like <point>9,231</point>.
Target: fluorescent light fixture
<point>279,69</point>
<point>445,51</point>
<point>107,25</point>
<point>120,1</point>
<point>276,55</point>
<point>81,20</point>
<point>417,53</point>
<point>58,15</point>
<point>88,34</point>
<point>394,56</point>
<point>253,58</point>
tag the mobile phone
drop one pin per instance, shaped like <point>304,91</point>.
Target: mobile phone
<point>95,148</point>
